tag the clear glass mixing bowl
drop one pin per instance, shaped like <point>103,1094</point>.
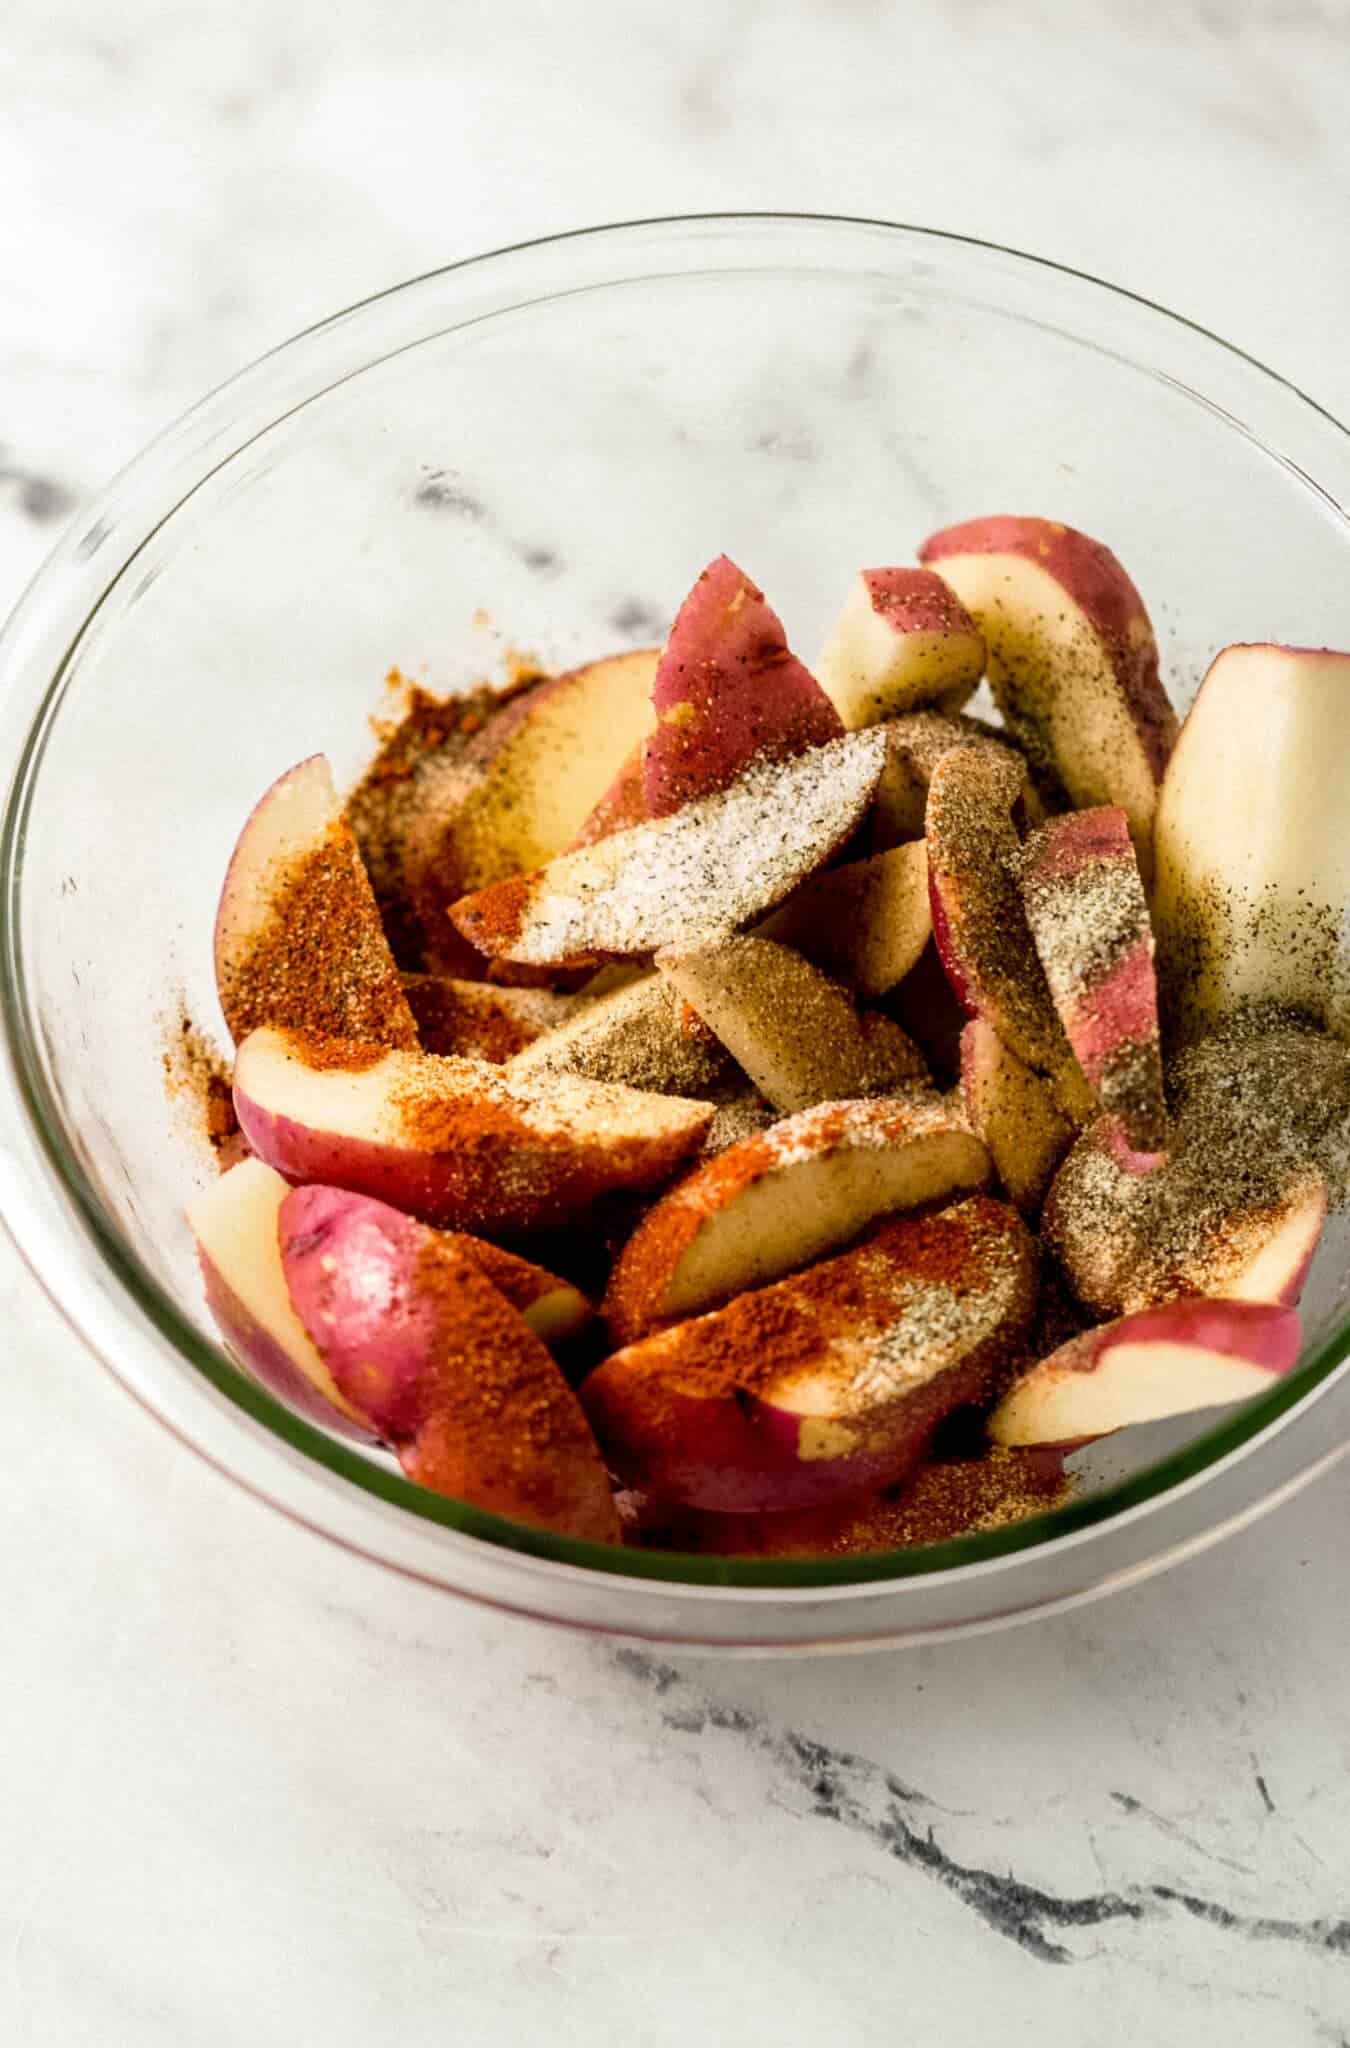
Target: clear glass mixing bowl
<point>563,434</point>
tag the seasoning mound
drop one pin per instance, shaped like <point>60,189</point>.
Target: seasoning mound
<point>689,877</point>
<point>455,1141</point>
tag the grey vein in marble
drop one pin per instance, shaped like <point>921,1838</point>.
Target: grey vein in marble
<point>444,490</point>
<point>864,1797</point>
<point>636,619</point>
<point>39,497</point>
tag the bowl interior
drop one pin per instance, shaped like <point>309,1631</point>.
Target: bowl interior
<point>546,467</point>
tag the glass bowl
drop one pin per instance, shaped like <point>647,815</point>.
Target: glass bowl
<point>562,435</point>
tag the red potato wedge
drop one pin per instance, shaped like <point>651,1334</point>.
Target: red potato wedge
<point>797,1034</point>
<point>979,923</point>
<point>903,639</point>
<point>423,1345</point>
<point>826,1385</point>
<point>1134,1231</point>
<point>528,782</point>
<point>1085,904</point>
<point>865,923</point>
<point>1013,1112</point>
<point>298,938</point>
<point>781,1198</point>
<point>1073,662</point>
<point>235,1224</point>
<point>480,1021</point>
<point>686,878</point>
<point>1252,840</point>
<point>641,1035</point>
<point>455,1142</point>
<point>728,693</point>
<point>1164,1361</point>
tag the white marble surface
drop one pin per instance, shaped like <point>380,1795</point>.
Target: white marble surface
<point>254,1792</point>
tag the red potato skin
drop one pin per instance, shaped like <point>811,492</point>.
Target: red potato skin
<point>742,1455</point>
<point>1068,844</point>
<point>1111,1016</point>
<point>728,691</point>
<point>1092,576</point>
<point>450,1189</point>
<point>1264,1334</point>
<point>427,1185</point>
<point>917,601</point>
<point>350,1264</point>
<point>265,1358</point>
<point>1120,1010</point>
<point>355,1271</point>
<point>379,1231</point>
<point>1259,1333</point>
<point>456,1188</point>
<point>1127,1157</point>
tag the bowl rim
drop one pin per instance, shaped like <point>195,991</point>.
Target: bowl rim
<point>38,1126</point>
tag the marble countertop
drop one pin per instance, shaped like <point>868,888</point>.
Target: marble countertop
<point>253,1791</point>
